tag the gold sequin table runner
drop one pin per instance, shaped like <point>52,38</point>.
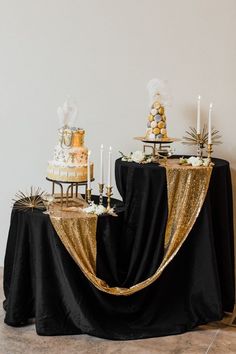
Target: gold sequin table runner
<point>186,190</point>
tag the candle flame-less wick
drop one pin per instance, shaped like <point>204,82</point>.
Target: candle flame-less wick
<point>211,105</point>
<point>110,148</point>
<point>199,97</point>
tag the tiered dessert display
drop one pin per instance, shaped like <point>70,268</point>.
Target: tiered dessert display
<point>156,133</point>
<point>156,122</point>
<point>70,159</point>
<point>71,165</point>
<point>70,162</point>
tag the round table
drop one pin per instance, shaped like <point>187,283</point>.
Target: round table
<point>41,279</point>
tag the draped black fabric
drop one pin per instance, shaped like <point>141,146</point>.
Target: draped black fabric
<point>41,280</point>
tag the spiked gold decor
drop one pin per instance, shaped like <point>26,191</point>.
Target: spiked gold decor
<point>192,138</point>
<point>29,200</point>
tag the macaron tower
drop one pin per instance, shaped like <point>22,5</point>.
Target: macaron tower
<point>156,123</point>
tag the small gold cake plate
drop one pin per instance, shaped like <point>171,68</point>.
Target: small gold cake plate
<point>160,147</point>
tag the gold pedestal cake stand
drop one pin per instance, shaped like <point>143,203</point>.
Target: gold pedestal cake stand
<point>72,190</point>
<point>161,148</point>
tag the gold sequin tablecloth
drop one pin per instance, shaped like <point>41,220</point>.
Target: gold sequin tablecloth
<point>186,191</point>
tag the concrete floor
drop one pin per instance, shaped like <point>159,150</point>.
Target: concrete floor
<point>212,338</point>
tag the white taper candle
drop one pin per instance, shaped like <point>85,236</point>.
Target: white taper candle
<point>198,115</point>
<point>209,124</point>
<point>101,165</point>
<point>88,171</point>
<point>109,168</point>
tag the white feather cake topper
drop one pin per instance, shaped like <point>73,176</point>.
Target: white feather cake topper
<point>67,113</point>
<point>158,91</point>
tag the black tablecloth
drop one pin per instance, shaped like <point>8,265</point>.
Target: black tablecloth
<point>41,280</point>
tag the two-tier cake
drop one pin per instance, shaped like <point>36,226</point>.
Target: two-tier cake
<point>69,163</point>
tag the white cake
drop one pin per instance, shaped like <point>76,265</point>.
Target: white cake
<point>69,163</point>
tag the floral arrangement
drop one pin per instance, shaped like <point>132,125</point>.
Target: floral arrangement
<point>99,210</point>
<point>138,157</point>
<point>95,209</point>
<point>195,161</point>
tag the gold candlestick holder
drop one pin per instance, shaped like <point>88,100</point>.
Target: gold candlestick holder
<point>209,151</point>
<point>101,187</point>
<point>88,195</point>
<point>109,194</point>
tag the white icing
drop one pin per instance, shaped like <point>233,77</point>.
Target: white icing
<point>71,174</point>
<point>63,157</point>
<point>66,164</point>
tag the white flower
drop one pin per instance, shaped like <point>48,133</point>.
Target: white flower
<point>91,209</point>
<point>195,161</point>
<point>100,210</point>
<point>206,162</point>
<point>95,209</point>
<point>138,156</point>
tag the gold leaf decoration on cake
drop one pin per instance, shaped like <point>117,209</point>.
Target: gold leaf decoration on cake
<point>29,200</point>
<point>191,137</point>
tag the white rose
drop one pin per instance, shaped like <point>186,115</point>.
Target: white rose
<point>206,162</point>
<point>90,209</point>
<point>195,161</point>
<point>100,210</point>
<point>138,156</point>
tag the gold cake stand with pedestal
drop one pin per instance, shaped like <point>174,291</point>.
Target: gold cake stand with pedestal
<point>161,148</point>
<point>71,193</point>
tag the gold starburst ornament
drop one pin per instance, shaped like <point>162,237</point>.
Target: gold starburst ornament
<point>192,138</point>
<point>29,200</point>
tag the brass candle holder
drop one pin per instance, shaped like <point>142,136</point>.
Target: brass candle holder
<point>101,187</point>
<point>109,194</point>
<point>88,195</point>
<point>209,151</point>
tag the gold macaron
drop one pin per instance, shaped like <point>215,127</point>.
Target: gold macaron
<point>161,124</point>
<point>150,118</point>
<point>161,110</point>
<point>156,131</point>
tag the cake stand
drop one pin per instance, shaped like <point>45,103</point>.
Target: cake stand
<point>160,147</point>
<point>72,190</point>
